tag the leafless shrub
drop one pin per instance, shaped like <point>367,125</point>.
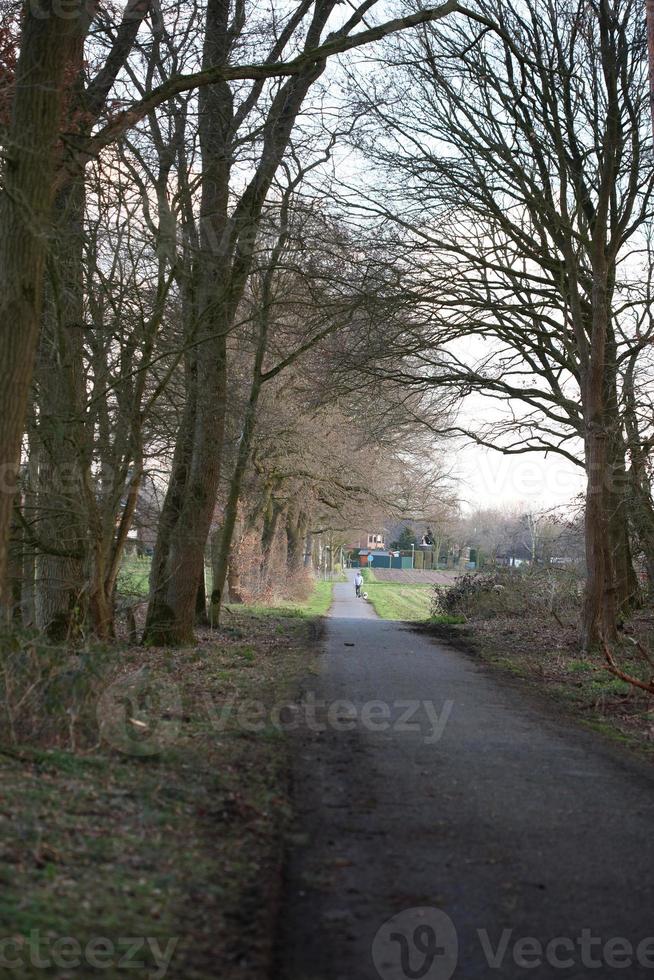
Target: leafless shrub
<point>49,692</point>
<point>506,593</point>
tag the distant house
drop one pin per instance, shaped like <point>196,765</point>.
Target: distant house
<point>372,539</point>
<point>367,541</point>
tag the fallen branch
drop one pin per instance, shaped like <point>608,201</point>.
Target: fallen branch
<point>613,668</point>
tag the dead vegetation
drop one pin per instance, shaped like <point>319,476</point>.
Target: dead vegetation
<point>175,812</point>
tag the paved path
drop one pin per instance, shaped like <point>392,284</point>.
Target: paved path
<point>511,825</point>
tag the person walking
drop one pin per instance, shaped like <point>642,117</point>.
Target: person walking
<point>358,582</point>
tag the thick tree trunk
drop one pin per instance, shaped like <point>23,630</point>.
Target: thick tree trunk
<point>308,549</point>
<point>599,617</point>
<point>639,494</point>
<point>227,244</point>
<point>626,581</point>
<point>641,510</point>
<point>16,565</point>
<point>160,615</point>
<point>236,482</point>
<point>176,572</point>
<point>600,605</point>
<point>50,43</point>
<point>62,523</point>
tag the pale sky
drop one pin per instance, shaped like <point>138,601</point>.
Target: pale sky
<point>490,479</point>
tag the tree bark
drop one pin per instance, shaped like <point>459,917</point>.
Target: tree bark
<point>201,617</point>
<point>50,45</point>
<point>295,532</point>
<point>600,607</point>
<point>62,522</point>
<point>175,579</point>
<point>234,578</point>
<point>271,517</point>
<point>227,244</point>
<point>160,615</point>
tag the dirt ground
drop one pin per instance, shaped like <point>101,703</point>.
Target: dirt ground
<point>176,833</point>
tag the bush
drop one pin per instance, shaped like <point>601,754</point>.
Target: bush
<point>507,593</point>
<point>49,692</point>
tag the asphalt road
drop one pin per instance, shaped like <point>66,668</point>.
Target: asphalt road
<point>456,827</point>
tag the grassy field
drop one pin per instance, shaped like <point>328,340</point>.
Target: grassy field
<point>134,575</point>
<point>393,601</point>
<point>133,582</point>
<point>318,604</point>
<point>176,809</point>
<point>400,601</point>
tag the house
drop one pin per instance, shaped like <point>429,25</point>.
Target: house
<point>372,539</point>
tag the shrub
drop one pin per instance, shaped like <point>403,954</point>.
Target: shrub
<point>506,593</point>
<point>49,692</point>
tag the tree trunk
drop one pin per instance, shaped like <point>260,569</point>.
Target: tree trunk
<point>600,607</point>
<point>160,615</point>
<point>227,245</point>
<point>234,578</point>
<point>639,495</point>
<point>49,45</point>
<point>176,572</point>
<point>295,530</point>
<point>268,534</point>
<point>201,617</point>
<point>236,482</point>
<point>626,581</point>
<point>62,523</point>
<point>308,548</point>
<point>16,565</point>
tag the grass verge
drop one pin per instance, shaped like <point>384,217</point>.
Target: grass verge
<point>409,603</point>
<point>170,829</point>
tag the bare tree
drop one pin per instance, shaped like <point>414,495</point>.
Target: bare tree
<point>524,150</point>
